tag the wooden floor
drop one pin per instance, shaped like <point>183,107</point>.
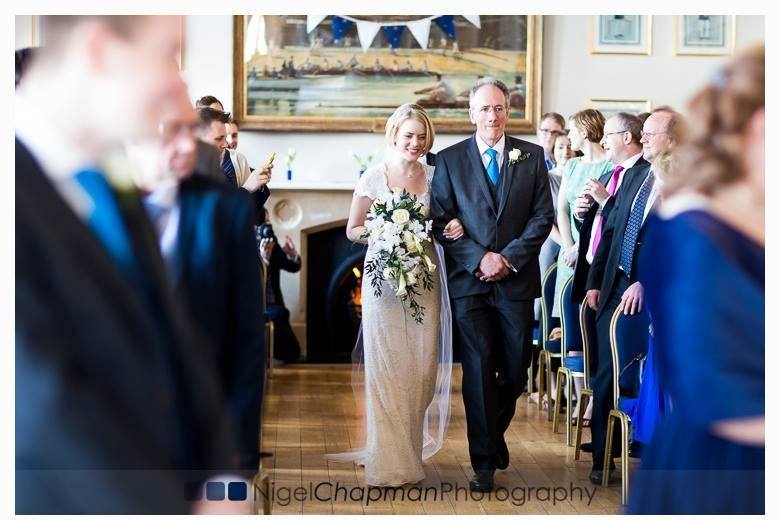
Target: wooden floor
<point>309,411</point>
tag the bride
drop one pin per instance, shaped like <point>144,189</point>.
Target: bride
<point>407,364</point>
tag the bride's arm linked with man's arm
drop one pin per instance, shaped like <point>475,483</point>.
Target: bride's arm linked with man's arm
<point>443,209</point>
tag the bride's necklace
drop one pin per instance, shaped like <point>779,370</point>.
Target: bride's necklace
<point>409,175</point>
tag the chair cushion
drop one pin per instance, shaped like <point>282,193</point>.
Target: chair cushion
<point>575,363</point>
<point>553,346</point>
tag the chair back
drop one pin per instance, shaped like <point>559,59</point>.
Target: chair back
<point>548,295</point>
<point>570,324</point>
<point>628,334</point>
<point>588,330</point>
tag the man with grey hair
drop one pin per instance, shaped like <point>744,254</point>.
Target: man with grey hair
<point>498,187</point>
<point>612,280</point>
<point>622,133</point>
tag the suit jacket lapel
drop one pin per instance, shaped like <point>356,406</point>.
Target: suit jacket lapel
<point>508,171</point>
<point>477,166</point>
<point>82,244</point>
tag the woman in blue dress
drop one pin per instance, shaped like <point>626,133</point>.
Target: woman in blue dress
<point>703,265</point>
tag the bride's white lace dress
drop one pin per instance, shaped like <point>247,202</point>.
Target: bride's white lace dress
<point>401,360</point>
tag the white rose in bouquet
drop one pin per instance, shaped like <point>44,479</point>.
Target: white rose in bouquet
<point>400,216</point>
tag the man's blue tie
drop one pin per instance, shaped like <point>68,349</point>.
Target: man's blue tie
<point>106,222</point>
<point>635,224</point>
<point>492,167</point>
<point>227,166</point>
<point>549,163</point>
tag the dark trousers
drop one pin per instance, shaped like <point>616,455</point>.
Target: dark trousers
<point>286,347</point>
<point>496,341</point>
<point>601,382</point>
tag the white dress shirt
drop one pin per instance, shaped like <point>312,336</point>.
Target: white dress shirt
<point>166,223</point>
<point>499,147</point>
<point>59,159</point>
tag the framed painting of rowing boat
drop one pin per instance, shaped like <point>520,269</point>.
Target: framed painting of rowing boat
<point>348,73</point>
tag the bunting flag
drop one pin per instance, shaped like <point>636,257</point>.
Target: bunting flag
<point>393,34</point>
<point>474,19</point>
<point>255,37</point>
<point>367,32</point>
<point>340,27</point>
<point>313,20</point>
<point>447,24</point>
<point>420,30</point>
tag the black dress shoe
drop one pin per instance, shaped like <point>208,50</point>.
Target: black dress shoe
<point>502,455</point>
<point>482,481</point>
<point>597,475</point>
<point>635,449</point>
<point>586,447</point>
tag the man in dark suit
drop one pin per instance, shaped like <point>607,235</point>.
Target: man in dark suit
<point>612,280</point>
<point>207,238</point>
<point>116,408</point>
<point>498,187</point>
<point>212,130</point>
<point>276,258</point>
<point>622,133</point>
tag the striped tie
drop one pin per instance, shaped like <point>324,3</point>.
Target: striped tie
<point>635,220</point>
<point>227,166</point>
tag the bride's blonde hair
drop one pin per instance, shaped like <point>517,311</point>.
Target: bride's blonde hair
<point>403,113</point>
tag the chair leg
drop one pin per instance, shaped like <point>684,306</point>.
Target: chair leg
<point>549,387</point>
<point>584,399</point>
<point>624,424</point>
<point>270,345</point>
<point>569,406</point>
<point>558,391</point>
<point>261,485</point>
<point>542,390</point>
<point>608,450</point>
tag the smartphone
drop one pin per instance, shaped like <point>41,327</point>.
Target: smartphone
<point>271,159</point>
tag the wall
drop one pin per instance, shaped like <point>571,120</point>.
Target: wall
<point>571,77</point>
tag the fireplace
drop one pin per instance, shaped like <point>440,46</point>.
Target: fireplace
<point>333,283</point>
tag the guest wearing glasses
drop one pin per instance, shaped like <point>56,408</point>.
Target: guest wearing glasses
<point>550,126</point>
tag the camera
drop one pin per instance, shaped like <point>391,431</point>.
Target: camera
<point>267,231</point>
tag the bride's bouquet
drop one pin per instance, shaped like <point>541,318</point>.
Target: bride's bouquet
<point>397,227</point>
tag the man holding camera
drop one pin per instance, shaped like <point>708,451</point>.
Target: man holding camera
<point>277,257</point>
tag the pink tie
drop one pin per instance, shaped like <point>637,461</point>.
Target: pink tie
<point>611,189</point>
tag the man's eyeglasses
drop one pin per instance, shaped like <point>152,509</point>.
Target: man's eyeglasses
<point>613,133</point>
<point>650,134</point>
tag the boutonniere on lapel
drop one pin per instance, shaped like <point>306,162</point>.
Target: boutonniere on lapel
<point>516,155</point>
<point>120,172</point>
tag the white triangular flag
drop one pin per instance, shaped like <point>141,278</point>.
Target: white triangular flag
<point>313,20</point>
<point>367,32</point>
<point>474,19</point>
<point>420,30</point>
<point>252,36</point>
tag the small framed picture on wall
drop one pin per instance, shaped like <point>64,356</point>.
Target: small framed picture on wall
<point>621,34</point>
<point>610,107</point>
<point>705,35</point>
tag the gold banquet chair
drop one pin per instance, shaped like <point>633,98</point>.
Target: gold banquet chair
<point>622,328</point>
<point>261,482</point>
<point>549,348</point>
<point>587,322</point>
<point>571,366</point>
